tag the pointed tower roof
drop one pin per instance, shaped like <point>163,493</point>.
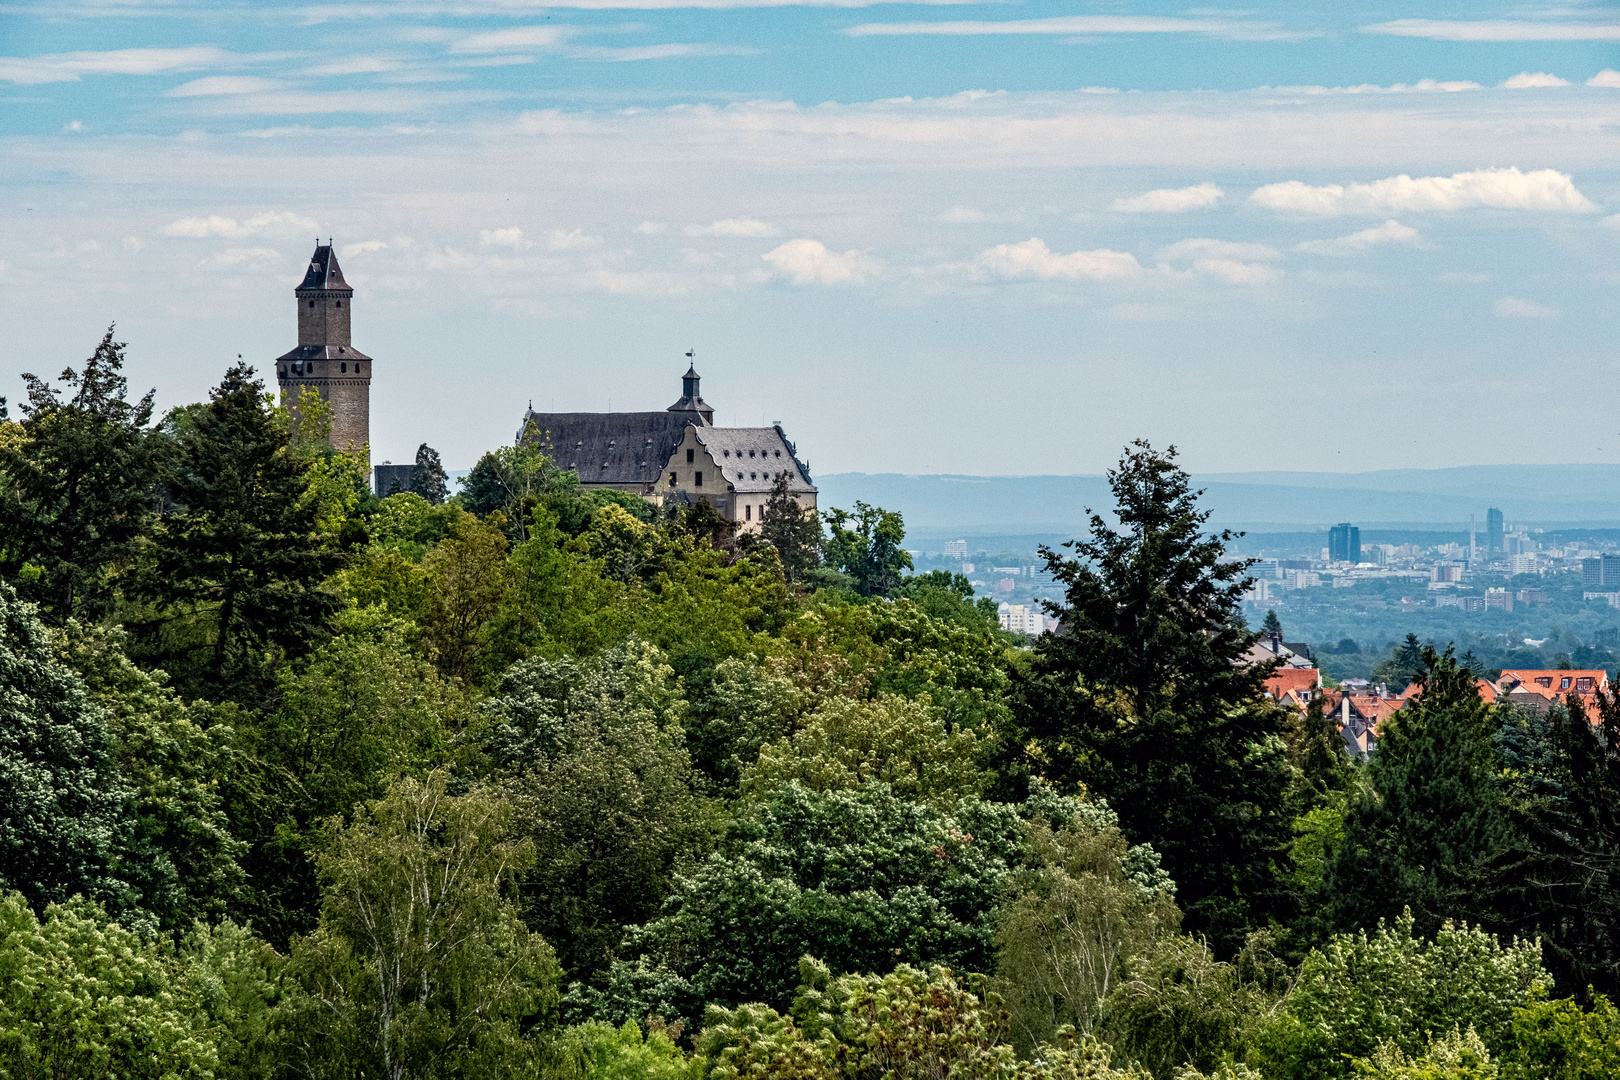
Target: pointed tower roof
<point>324,272</point>
<point>691,400</point>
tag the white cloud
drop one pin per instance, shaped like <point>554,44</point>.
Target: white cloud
<point>70,67</point>
<point>651,228</point>
<point>1607,77</point>
<point>1509,307</point>
<point>671,51</point>
<point>363,247</point>
<point>1528,80</point>
<point>515,38</point>
<point>216,85</point>
<point>808,262</point>
<point>237,256</point>
<point>1390,232</point>
<point>1085,24</point>
<point>733,227</point>
<point>198,228</point>
<point>508,238</point>
<point>568,240</point>
<point>1496,30</point>
<point>1230,261</point>
<point>1205,248</point>
<point>1170,200</point>
<point>1033,258</point>
<point>1543,189</point>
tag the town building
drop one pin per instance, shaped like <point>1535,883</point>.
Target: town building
<point>1344,543</point>
<point>1600,571</point>
<point>674,455</point>
<point>326,361</point>
<point>1493,532</point>
<point>1024,619</point>
<point>1538,691</point>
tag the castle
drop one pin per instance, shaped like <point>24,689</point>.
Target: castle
<point>676,455</point>
<point>673,455</point>
<point>325,360</point>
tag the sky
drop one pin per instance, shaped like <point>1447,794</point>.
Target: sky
<point>969,238</point>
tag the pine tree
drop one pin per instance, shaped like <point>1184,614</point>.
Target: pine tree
<point>1145,697</point>
<point>1421,829</point>
<point>82,483</point>
<point>427,478</point>
<point>1273,625</point>
<point>794,531</point>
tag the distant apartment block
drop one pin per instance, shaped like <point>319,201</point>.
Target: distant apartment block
<point>1024,619</point>
<point>1303,579</point>
<point>956,549</point>
<point>1498,599</point>
<point>1493,531</point>
<point>1445,572</point>
<point>1600,572</point>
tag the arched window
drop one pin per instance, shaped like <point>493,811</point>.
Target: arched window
<point>343,368</point>
<point>312,303</point>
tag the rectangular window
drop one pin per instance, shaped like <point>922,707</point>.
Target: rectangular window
<point>1584,685</point>
<point>691,456</point>
<point>748,513</point>
<point>697,479</point>
<point>1563,684</point>
<point>672,480</point>
<point>1544,680</point>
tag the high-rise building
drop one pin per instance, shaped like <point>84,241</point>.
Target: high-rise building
<point>1493,531</point>
<point>326,361</point>
<point>1344,543</point>
<point>1601,572</point>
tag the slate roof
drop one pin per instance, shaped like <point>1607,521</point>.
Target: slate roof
<point>324,272</point>
<point>622,448</point>
<point>323,352</point>
<point>750,458</point>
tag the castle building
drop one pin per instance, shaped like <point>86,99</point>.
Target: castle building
<point>676,455</point>
<point>325,360</point>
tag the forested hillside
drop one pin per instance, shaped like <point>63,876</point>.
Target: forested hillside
<point>541,782</point>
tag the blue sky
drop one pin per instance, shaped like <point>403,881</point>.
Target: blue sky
<point>964,238</point>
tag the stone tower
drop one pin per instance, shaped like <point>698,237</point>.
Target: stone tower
<point>325,361</point>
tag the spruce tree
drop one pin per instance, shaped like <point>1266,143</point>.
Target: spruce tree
<point>236,572</point>
<point>1421,829</point>
<point>794,531</point>
<point>427,477</point>
<point>81,479</point>
<point>1145,697</point>
<point>1273,625</point>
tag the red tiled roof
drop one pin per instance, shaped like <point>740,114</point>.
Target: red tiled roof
<point>1553,685</point>
<point>1284,680</point>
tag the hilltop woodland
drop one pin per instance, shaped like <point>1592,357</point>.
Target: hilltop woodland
<point>544,782</point>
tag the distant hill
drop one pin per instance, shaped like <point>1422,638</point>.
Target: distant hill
<point>1544,495</point>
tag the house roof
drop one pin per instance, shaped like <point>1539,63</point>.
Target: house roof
<point>608,448</point>
<point>324,272</point>
<point>1284,680</point>
<point>750,458</point>
<point>1553,684</point>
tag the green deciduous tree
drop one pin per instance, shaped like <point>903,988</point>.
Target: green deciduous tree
<point>1421,829</point>
<point>420,966</point>
<point>65,826</point>
<point>1075,915</point>
<point>593,759</point>
<point>1146,698</point>
<point>82,996</point>
<point>846,743</point>
<point>866,546</point>
<point>175,756</point>
<point>78,486</point>
<point>1393,986</point>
